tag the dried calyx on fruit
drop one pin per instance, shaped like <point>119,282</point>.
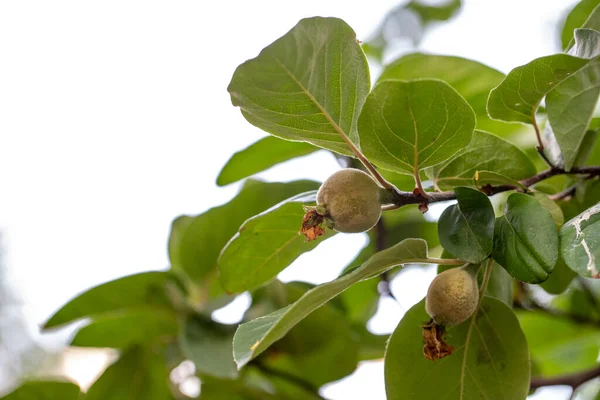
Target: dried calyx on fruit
<point>453,296</point>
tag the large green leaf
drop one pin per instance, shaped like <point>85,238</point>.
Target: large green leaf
<point>485,152</point>
<point>559,279</point>
<point>485,178</point>
<point>45,390</point>
<point>256,336</point>
<point>146,288</point>
<point>559,346</point>
<point>405,126</point>
<point>580,242</point>
<point>138,374</point>
<point>552,207</point>
<point>213,389</point>
<point>491,360</point>
<point>360,301</point>
<point>587,43</point>
<point>520,93</point>
<point>466,229</point>
<point>196,242</point>
<point>265,245</point>
<point>321,348</point>
<point>208,345</point>
<point>525,239</point>
<point>260,156</point>
<point>577,18</point>
<point>471,79</point>
<point>123,328</point>
<point>309,85</point>
<point>570,107</point>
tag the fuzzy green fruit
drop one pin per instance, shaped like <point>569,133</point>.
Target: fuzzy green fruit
<point>452,296</point>
<point>351,201</point>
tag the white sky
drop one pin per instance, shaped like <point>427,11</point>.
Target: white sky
<point>114,119</point>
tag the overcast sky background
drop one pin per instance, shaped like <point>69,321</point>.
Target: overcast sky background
<point>114,119</point>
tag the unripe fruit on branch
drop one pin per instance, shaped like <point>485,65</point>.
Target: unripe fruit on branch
<point>453,296</point>
<point>350,201</point>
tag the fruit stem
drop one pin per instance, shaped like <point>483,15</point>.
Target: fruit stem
<point>472,269</point>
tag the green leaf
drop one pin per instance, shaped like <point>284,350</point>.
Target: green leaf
<point>485,152</point>
<point>123,328</point>
<point>552,207</point>
<point>208,345</point>
<point>500,285</point>
<point>589,149</point>
<point>471,79</point>
<point>570,107</point>
<point>45,390</point>
<point>360,301</point>
<point>237,390</point>
<point>265,245</point>
<point>559,279</point>
<point>491,360</point>
<point>146,288</point>
<point>587,43</point>
<point>372,347</point>
<point>580,242</point>
<point>256,336</point>
<point>559,346</point>
<point>484,178</point>
<point>520,93</point>
<point>407,126</point>
<point>260,156</point>
<point>525,239</point>
<point>137,374</point>
<point>196,242</point>
<point>321,348</point>
<point>309,85</point>
<point>576,19</point>
<point>466,229</point>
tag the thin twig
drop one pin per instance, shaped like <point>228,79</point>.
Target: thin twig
<point>568,192</point>
<point>573,380</point>
<point>404,198</point>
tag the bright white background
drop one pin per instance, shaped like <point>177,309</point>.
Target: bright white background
<point>114,119</point>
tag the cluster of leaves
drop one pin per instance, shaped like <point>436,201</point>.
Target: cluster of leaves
<point>439,122</point>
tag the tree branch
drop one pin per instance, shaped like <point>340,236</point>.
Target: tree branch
<point>401,198</point>
<point>568,192</point>
<point>573,380</point>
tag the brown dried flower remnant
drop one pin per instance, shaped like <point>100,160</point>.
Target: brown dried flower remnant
<point>311,224</point>
<point>435,347</point>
